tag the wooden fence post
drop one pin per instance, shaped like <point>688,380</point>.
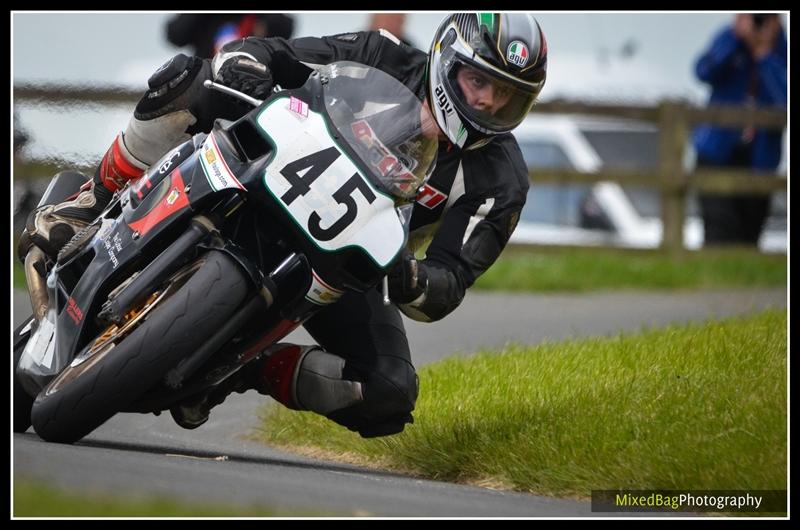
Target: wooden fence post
<point>672,137</point>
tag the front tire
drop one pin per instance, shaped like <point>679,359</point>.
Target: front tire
<point>81,398</point>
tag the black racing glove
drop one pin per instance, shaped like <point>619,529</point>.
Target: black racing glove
<point>246,75</point>
<point>407,280</point>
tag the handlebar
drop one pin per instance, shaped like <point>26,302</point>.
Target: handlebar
<point>231,92</point>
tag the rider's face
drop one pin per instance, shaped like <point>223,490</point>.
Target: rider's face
<point>481,91</point>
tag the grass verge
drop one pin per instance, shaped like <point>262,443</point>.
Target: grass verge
<point>19,276</point>
<point>544,269</point>
<point>699,406</point>
<point>34,499</point>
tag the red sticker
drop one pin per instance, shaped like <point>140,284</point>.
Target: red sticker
<point>430,197</point>
<point>74,311</point>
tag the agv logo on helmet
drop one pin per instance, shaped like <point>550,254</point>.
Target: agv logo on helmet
<point>518,53</point>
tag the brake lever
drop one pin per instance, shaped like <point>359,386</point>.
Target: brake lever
<point>231,92</point>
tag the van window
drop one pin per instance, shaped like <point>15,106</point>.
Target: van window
<point>625,149</point>
<point>548,203</point>
<point>544,154</point>
<point>556,205</point>
<point>631,150</point>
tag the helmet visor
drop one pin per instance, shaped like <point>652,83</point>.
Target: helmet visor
<point>488,101</point>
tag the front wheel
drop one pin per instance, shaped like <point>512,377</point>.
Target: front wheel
<point>113,370</point>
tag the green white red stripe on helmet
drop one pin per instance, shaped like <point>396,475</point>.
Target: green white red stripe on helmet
<point>486,19</point>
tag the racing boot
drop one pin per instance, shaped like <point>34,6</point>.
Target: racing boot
<point>299,377</point>
<point>163,118</point>
<point>50,227</point>
<point>307,378</point>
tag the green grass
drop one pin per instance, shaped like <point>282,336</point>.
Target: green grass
<point>699,406</point>
<point>38,169</point>
<point>34,499</point>
<point>19,276</point>
<point>548,269</point>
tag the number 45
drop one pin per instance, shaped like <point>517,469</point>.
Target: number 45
<point>317,163</point>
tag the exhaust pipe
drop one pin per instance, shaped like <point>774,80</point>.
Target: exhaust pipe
<point>37,287</point>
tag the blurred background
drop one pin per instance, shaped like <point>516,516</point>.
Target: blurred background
<point>619,60</point>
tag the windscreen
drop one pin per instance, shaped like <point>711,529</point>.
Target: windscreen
<point>387,126</point>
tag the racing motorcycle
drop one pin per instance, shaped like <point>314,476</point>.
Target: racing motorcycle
<point>223,247</point>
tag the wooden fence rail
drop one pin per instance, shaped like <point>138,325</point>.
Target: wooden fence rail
<point>673,118</point>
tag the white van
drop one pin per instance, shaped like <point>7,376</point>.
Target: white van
<point>605,213</point>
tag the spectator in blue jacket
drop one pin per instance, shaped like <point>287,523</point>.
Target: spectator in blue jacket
<point>745,65</point>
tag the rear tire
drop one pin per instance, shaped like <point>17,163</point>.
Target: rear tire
<point>176,327</point>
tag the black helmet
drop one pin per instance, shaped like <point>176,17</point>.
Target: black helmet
<point>485,71</point>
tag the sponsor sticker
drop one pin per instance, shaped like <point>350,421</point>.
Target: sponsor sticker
<point>518,53</point>
<point>379,156</point>
<point>442,100</point>
<point>217,171</point>
<point>173,196</point>
<point>74,311</point>
<point>113,246</point>
<point>140,185</point>
<point>298,106</point>
<point>320,292</point>
<point>430,197</point>
<point>169,161</point>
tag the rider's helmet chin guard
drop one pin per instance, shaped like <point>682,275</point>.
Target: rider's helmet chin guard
<point>508,50</point>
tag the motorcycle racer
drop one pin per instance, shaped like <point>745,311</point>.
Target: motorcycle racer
<point>480,79</point>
